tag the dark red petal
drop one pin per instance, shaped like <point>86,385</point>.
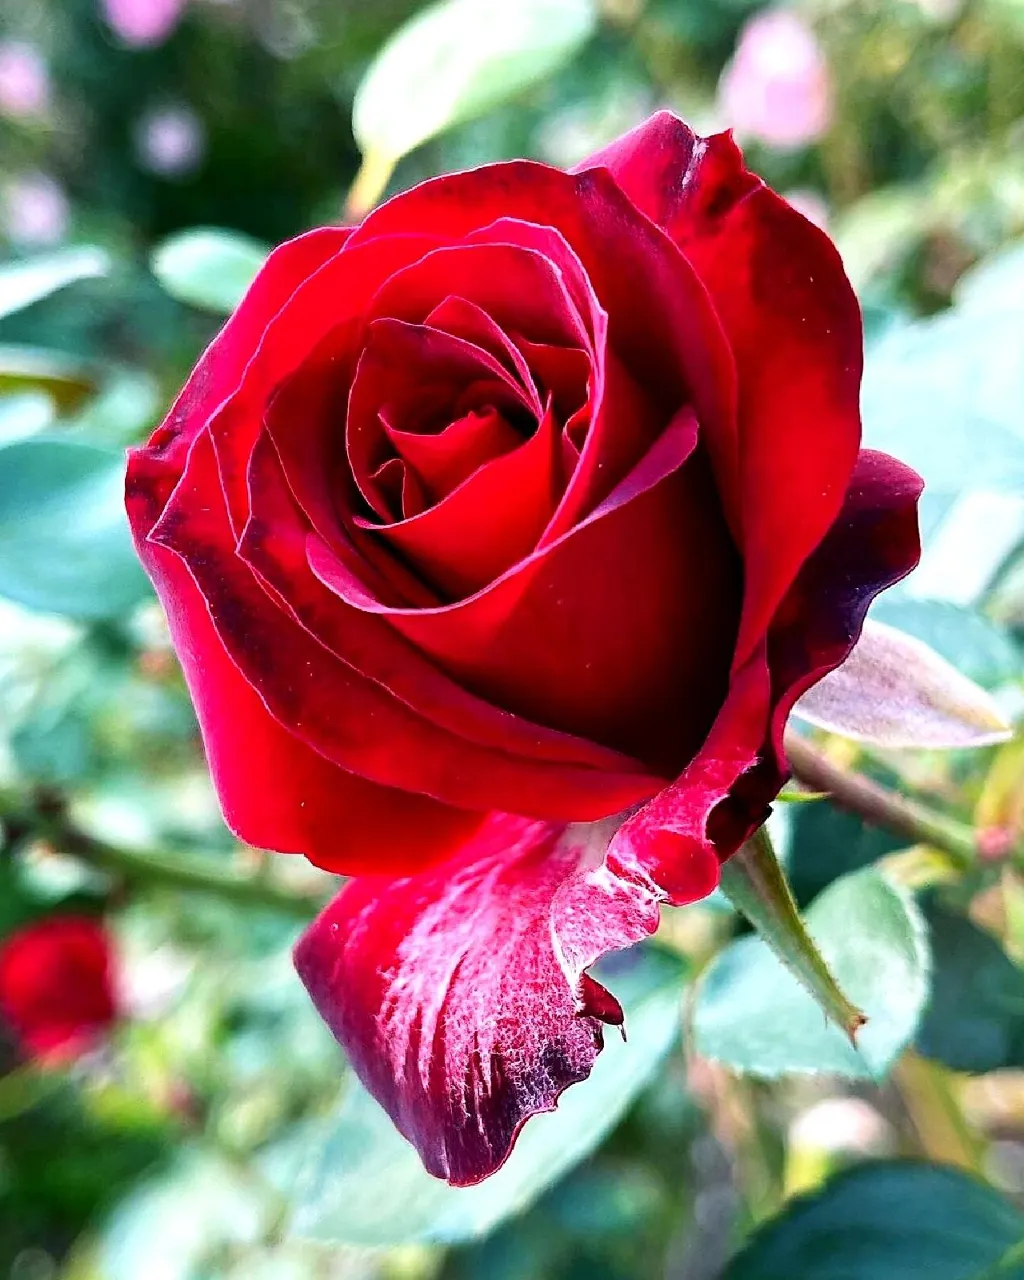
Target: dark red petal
<point>620,632</point>
<point>873,543</point>
<point>460,996</point>
<point>794,325</point>
<point>725,792</point>
<point>354,722</point>
<point>661,321</point>
<point>330,303</point>
<point>510,758</point>
<point>414,378</point>
<point>518,287</point>
<point>444,460</point>
<point>487,524</point>
<point>276,791</point>
<point>219,371</point>
<point>464,319</point>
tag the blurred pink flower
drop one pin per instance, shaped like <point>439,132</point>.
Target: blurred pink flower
<point>33,210</point>
<point>777,88</point>
<point>170,141</point>
<point>24,80</point>
<point>142,22</point>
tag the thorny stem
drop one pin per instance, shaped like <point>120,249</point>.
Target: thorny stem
<point>879,806</point>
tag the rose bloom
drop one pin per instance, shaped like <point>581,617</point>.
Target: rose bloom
<point>56,986</point>
<point>498,536</point>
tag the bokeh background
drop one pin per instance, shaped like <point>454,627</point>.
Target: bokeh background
<point>150,152</point>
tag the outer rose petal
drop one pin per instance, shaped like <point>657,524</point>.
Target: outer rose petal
<point>56,985</point>
<point>460,995</point>
<point>726,791</point>
<point>794,325</point>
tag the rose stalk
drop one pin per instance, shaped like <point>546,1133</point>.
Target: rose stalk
<point>498,536</point>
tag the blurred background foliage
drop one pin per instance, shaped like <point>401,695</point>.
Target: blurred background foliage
<point>150,152</point>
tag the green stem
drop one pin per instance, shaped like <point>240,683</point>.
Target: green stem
<point>756,885</point>
<point>879,806</point>
<point>184,871</point>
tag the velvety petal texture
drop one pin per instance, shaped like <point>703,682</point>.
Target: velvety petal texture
<point>497,537</point>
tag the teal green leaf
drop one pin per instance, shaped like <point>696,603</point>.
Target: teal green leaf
<point>363,1183</point>
<point>751,1014</point>
<point>64,540</point>
<point>456,60</point>
<point>890,1220</point>
<point>933,389</point>
<point>32,279</point>
<point>208,267</point>
<point>995,284</point>
<point>975,1017</point>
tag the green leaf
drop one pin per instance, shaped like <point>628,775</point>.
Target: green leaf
<point>975,1017</point>
<point>979,648</point>
<point>751,1014</point>
<point>825,843</point>
<point>894,691</point>
<point>755,883</point>
<point>183,1217</point>
<point>365,1185</point>
<point>934,389</point>
<point>995,284</point>
<point>24,413</point>
<point>69,382</point>
<point>208,267</point>
<point>457,59</point>
<point>30,280</point>
<point>890,1220</point>
<point>64,540</point>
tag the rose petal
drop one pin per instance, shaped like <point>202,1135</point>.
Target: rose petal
<point>489,523</point>
<point>464,319</point>
<point>350,720</point>
<point>366,642</point>
<point>517,287</point>
<point>636,273</point>
<point>275,791</point>
<point>589,635</point>
<point>412,372</point>
<point>216,377</point>
<point>794,326</point>
<point>461,997</point>
<point>725,792</point>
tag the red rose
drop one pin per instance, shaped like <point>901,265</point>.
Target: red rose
<point>56,993</point>
<point>537,494</point>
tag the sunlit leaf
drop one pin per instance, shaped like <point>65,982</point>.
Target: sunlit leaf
<point>895,691</point>
<point>31,279</point>
<point>208,267</point>
<point>752,1014</point>
<point>890,1221</point>
<point>457,59</point>
<point>364,1184</point>
<point>64,540</point>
